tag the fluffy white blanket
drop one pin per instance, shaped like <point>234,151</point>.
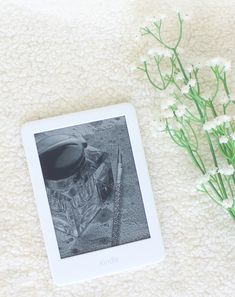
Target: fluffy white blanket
<point>63,56</point>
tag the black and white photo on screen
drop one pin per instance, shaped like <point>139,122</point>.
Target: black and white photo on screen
<point>92,186</point>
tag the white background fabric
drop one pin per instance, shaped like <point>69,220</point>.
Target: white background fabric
<point>63,56</point>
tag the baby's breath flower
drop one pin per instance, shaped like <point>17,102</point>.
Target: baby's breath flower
<point>227,66</point>
<point>213,171</point>
<point>220,62</point>
<point>227,203</point>
<point>162,17</point>
<point>227,170</point>
<point>233,136</point>
<point>179,76</point>
<point>177,83</point>
<point>143,59</point>
<point>167,103</point>
<point>202,181</point>
<point>192,83</point>
<point>217,61</point>
<point>185,89</point>
<point>223,139</point>
<point>213,124</point>
<point>208,126</point>
<point>222,119</point>
<point>181,110</point>
<point>167,114</point>
<point>153,51</point>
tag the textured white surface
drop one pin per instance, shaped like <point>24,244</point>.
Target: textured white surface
<point>63,56</point>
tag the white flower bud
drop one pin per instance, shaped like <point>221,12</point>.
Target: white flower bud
<point>227,203</point>
<point>192,83</point>
<point>143,59</point>
<point>181,110</point>
<point>233,136</point>
<point>223,139</point>
<point>153,52</point>
<point>228,170</point>
<point>202,181</point>
<point>227,66</point>
<point>185,89</point>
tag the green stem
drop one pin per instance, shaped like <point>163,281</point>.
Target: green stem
<point>180,65</point>
<point>159,71</point>
<point>216,192</point>
<point>216,164</point>
<point>225,85</point>
<point>181,31</point>
<point>199,110</point>
<point>213,109</point>
<point>149,78</point>
<point>197,81</point>
<point>230,187</point>
<point>190,151</point>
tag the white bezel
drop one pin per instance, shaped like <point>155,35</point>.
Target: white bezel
<point>105,261</point>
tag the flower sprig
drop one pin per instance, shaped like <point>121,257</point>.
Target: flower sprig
<point>189,112</point>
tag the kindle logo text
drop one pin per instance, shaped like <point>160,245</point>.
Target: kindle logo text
<point>109,261</point>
